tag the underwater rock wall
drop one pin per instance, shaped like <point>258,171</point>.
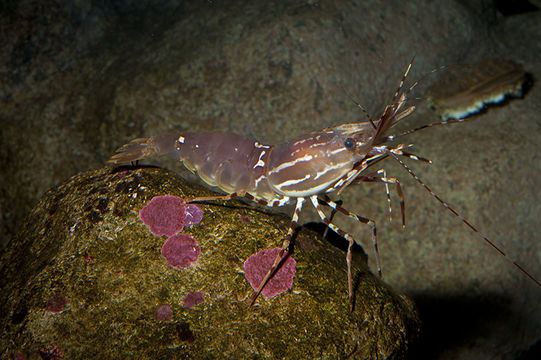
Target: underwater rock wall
<point>80,78</point>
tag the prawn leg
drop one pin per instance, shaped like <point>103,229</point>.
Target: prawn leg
<point>327,201</point>
<point>285,246</point>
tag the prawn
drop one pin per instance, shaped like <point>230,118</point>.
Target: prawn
<point>308,167</point>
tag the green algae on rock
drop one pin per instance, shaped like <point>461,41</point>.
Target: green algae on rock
<point>84,243</point>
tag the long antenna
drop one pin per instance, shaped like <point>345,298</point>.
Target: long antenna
<point>395,153</point>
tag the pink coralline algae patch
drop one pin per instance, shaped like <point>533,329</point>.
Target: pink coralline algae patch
<point>164,215</point>
<point>194,215</point>
<point>180,250</point>
<point>257,266</point>
<point>193,298</point>
<point>163,313</point>
<point>56,303</point>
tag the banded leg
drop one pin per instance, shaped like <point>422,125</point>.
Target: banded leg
<point>218,197</point>
<point>373,178</point>
<point>327,201</point>
<point>400,152</point>
<point>273,203</point>
<point>285,246</point>
<point>333,212</point>
<point>387,180</point>
<point>315,201</point>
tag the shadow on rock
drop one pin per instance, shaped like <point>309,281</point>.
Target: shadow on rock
<point>458,320</point>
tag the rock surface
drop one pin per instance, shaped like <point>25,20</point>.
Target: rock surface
<point>80,78</point>
<point>85,279</point>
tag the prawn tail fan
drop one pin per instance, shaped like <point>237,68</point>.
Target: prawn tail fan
<point>144,148</point>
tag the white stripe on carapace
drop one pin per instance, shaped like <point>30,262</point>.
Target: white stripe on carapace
<point>290,163</point>
<point>261,146</point>
<point>308,192</point>
<point>260,163</point>
<point>339,150</point>
<point>334,152</point>
<point>331,168</point>
<point>292,182</point>
<point>259,179</point>
<point>313,145</point>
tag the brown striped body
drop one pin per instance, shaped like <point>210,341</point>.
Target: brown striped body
<point>313,163</point>
<point>305,166</point>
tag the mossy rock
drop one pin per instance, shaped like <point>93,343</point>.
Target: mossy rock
<point>84,277</point>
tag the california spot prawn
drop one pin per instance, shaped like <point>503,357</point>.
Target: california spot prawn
<point>308,167</point>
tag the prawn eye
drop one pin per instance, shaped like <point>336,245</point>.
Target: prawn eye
<point>349,143</point>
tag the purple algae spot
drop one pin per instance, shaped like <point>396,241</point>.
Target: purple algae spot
<point>164,215</point>
<point>257,266</point>
<point>193,298</point>
<point>194,215</point>
<point>180,250</point>
<point>163,313</point>
<point>56,303</point>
